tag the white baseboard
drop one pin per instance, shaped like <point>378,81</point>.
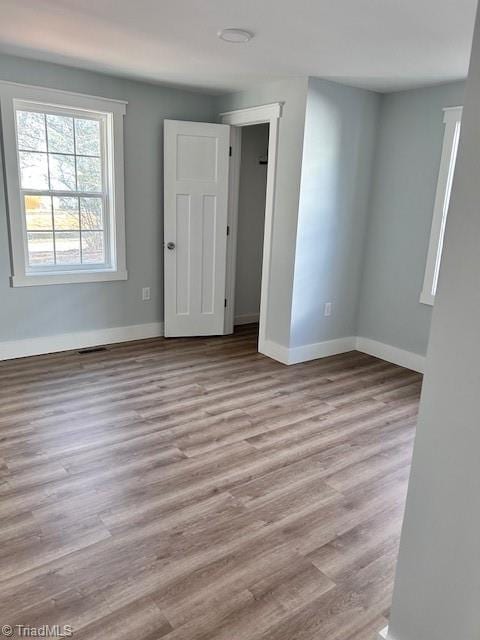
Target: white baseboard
<point>246,318</point>
<point>78,340</point>
<point>274,350</point>
<point>383,634</point>
<point>285,355</point>
<point>395,355</point>
<point>294,355</point>
<point>321,349</point>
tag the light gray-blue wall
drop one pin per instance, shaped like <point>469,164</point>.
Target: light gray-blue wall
<point>325,187</point>
<point>293,93</point>
<point>437,584</point>
<point>47,310</point>
<point>338,152</point>
<point>326,144</point>
<point>409,145</point>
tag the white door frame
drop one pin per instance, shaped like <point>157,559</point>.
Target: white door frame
<point>264,114</point>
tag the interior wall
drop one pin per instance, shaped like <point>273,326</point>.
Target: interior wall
<point>338,151</point>
<point>437,586</point>
<point>326,183</point>
<point>27,312</point>
<point>410,137</point>
<point>293,94</point>
<point>251,220</point>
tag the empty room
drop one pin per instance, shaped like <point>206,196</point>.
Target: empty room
<point>239,312</point>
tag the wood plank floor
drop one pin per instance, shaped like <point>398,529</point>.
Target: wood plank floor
<point>192,489</point>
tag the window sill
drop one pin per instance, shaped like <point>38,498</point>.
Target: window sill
<point>76,277</point>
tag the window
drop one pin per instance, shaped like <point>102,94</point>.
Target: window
<point>64,169</point>
<point>452,119</point>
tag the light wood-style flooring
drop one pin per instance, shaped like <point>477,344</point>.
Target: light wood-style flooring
<point>193,489</point>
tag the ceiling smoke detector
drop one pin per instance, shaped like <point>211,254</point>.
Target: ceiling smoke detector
<point>235,35</point>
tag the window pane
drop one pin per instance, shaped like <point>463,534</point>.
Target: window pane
<point>89,174</point>
<point>87,137</point>
<point>65,211</point>
<point>31,131</point>
<point>62,172</point>
<point>60,134</point>
<point>92,247</point>
<point>67,247</point>
<point>40,248</point>
<point>33,170</point>
<point>38,212</point>
<point>91,213</point>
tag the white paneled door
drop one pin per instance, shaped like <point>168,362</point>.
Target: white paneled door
<point>195,227</point>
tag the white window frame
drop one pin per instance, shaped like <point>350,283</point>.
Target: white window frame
<point>13,96</point>
<point>452,118</point>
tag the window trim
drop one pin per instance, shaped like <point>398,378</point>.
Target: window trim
<point>452,118</point>
<point>115,110</point>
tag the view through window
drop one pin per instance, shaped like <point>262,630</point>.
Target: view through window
<point>62,180</point>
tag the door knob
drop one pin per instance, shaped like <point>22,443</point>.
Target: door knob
<point>170,245</point>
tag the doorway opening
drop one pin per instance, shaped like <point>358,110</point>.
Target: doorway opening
<point>202,197</point>
<point>252,189</point>
<point>251,186</point>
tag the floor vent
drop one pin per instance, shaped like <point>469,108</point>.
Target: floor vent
<point>91,350</point>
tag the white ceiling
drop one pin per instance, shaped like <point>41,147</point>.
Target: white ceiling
<point>376,44</point>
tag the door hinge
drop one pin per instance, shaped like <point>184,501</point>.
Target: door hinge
<point>228,229</point>
<point>230,152</point>
<point>225,305</point>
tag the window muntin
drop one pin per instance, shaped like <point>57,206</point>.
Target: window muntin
<point>63,178</point>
